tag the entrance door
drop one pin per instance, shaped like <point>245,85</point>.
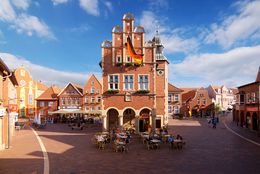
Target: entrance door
<point>141,125</point>
<point>255,121</point>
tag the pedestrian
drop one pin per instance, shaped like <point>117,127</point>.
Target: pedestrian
<point>214,122</point>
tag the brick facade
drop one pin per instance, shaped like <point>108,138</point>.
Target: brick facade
<point>134,96</point>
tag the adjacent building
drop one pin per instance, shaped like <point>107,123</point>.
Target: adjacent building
<point>174,100</point>
<point>70,98</point>
<point>134,79</point>
<point>92,96</point>
<point>48,102</point>
<point>8,105</point>
<point>247,108</point>
<point>197,103</point>
<point>222,96</point>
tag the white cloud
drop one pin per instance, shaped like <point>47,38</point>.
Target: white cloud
<point>38,72</point>
<point>158,4</point>
<point>90,6</point>
<point>232,68</point>
<point>57,2</point>
<point>172,39</point>
<point>7,12</point>
<point>23,22</point>
<point>80,29</point>
<point>32,25</point>
<point>21,4</point>
<point>242,26</point>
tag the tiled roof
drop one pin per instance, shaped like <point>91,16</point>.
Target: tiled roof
<point>172,88</point>
<point>188,95</point>
<point>49,94</point>
<point>188,89</point>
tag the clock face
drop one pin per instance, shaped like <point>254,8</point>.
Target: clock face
<point>22,83</point>
<point>160,72</point>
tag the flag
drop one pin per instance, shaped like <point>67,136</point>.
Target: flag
<point>138,58</point>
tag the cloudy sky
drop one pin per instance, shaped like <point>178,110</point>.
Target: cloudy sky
<point>206,41</point>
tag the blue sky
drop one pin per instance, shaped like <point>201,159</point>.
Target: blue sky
<point>206,41</point>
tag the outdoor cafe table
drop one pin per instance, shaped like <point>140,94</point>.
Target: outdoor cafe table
<point>155,142</point>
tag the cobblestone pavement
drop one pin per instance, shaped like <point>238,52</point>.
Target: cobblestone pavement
<point>207,150</point>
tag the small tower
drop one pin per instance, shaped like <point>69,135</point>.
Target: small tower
<point>161,79</point>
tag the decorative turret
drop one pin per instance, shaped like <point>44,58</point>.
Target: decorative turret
<point>159,47</point>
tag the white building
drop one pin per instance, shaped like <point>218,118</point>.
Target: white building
<point>222,96</point>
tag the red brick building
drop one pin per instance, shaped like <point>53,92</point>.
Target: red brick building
<point>174,100</point>
<point>197,103</point>
<point>246,110</point>
<point>70,98</point>
<point>134,95</point>
<point>92,95</point>
<point>48,101</point>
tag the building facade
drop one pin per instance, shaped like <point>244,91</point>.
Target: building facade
<point>70,98</point>
<point>247,108</point>
<point>222,96</point>
<point>174,101</point>
<point>25,92</point>
<point>8,84</point>
<point>135,95</point>
<point>197,103</point>
<point>48,102</point>
<point>92,95</point>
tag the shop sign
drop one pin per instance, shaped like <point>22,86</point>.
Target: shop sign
<point>2,112</point>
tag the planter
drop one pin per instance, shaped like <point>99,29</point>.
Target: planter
<point>142,91</point>
<point>112,91</point>
<point>119,64</point>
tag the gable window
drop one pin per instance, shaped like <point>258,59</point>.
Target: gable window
<point>198,101</point>
<point>204,101</point>
<point>92,82</point>
<point>92,99</point>
<point>73,101</point>
<point>77,100</point>
<point>22,72</point>
<point>63,101</point>
<point>69,101</point>
<point>128,82</point>
<point>92,90</point>
<point>253,97</point>
<point>113,82</point>
<point>86,100</point>
<point>143,82</point>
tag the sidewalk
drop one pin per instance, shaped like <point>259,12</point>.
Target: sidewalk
<point>24,154</point>
<point>245,132</point>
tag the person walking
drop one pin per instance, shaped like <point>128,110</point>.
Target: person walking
<point>214,122</point>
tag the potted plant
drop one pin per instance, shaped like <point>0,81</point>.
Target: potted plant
<point>118,64</point>
<point>112,91</point>
<point>142,91</point>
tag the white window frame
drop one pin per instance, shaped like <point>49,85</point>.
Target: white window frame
<point>42,103</point>
<point>129,61</point>
<point>178,97</point>
<point>50,103</point>
<point>170,109</point>
<point>113,82</point>
<point>253,97</point>
<point>142,87</point>
<point>128,83</point>
<point>169,97</point>
<point>176,110</point>
<point>93,100</point>
<point>118,59</point>
<point>92,90</point>
<point>86,99</point>
<point>204,101</point>
<point>98,99</point>
<point>30,100</point>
